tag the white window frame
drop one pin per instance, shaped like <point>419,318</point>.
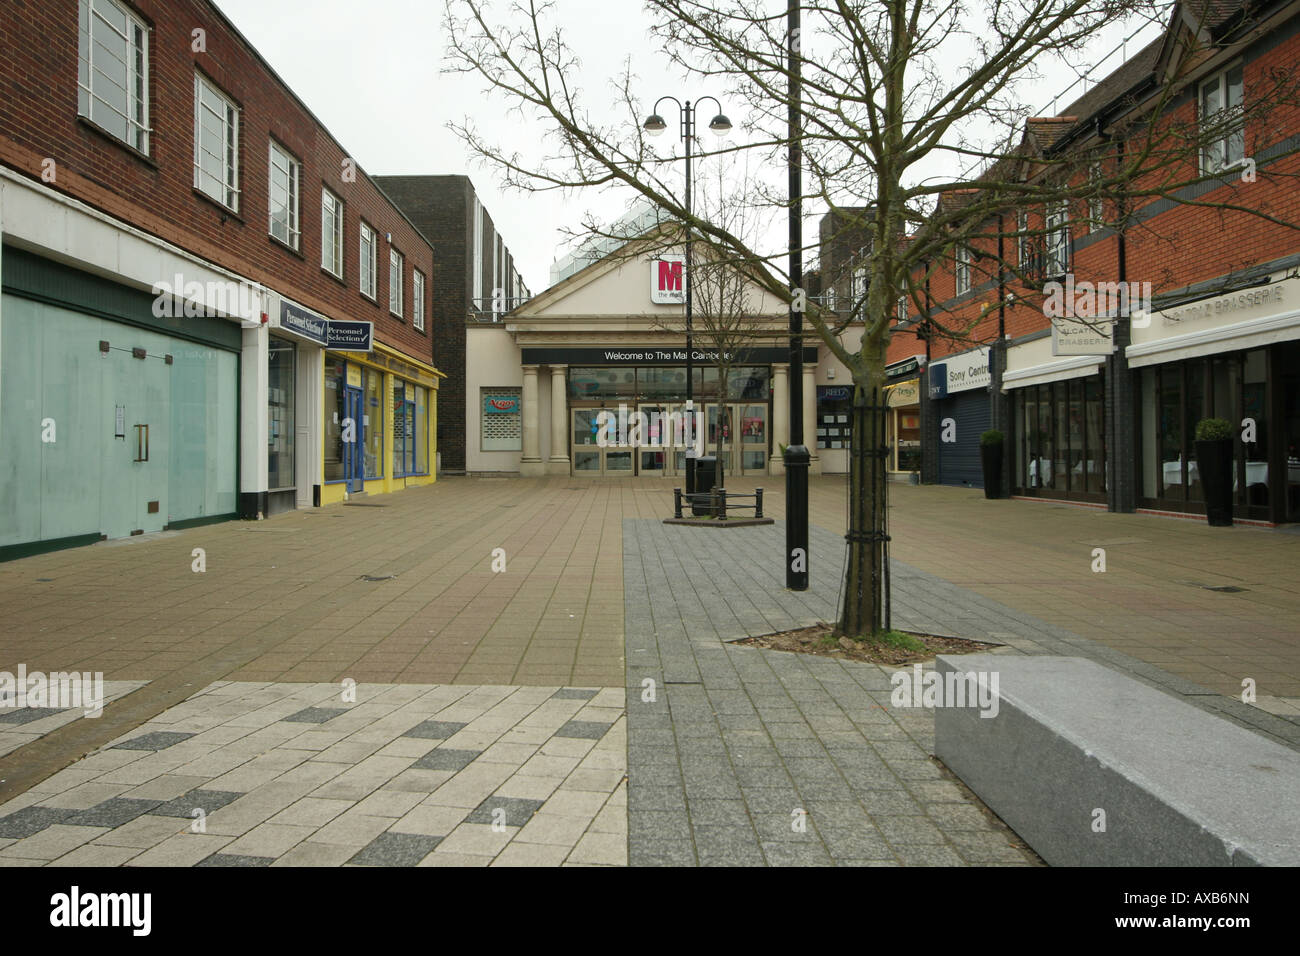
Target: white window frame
<point>331,232</point>
<point>90,103</point>
<point>369,261</point>
<point>1056,248</point>
<point>477,269</point>
<point>396,270</point>
<point>228,192</point>
<point>1024,247</point>
<point>858,291</point>
<point>417,300</point>
<point>290,169</point>
<point>1228,150</point>
<point>961,269</point>
<point>902,309</point>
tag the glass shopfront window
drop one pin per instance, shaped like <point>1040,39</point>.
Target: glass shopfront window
<point>749,383</point>
<point>403,428</point>
<point>1172,398</point>
<point>421,430</point>
<point>602,384</point>
<point>372,421</point>
<point>280,414</point>
<point>335,412</point>
<point>1060,439</point>
<point>834,405</point>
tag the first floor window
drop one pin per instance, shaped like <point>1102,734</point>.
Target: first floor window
<point>368,266</point>
<point>1222,129</point>
<point>1056,252</point>
<point>113,71</point>
<point>417,300</point>
<point>502,424</point>
<point>283,192</point>
<point>1095,209</point>
<point>331,233</point>
<point>962,280</point>
<point>216,144</point>
<point>395,282</point>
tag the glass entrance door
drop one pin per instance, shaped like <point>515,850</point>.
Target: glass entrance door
<point>353,440</point>
<point>134,479</point>
<point>589,457</point>
<point>656,431</point>
<point>753,439</point>
<point>720,436</point>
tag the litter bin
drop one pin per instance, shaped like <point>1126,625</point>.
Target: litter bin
<point>706,476</point>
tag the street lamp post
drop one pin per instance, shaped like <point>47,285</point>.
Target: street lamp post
<point>654,125</point>
<point>797,457</point>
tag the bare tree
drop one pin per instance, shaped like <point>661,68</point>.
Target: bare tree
<point>913,123</point>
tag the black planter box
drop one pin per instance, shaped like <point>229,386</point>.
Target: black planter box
<point>991,464</point>
<point>1214,465</point>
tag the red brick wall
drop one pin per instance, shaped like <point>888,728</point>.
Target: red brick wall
<point>1178,247</point>
<point>38,120</point>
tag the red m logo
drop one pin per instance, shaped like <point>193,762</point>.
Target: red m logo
<point>670,276</point>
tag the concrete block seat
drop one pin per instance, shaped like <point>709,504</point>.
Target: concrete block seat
<point>1177,786</point>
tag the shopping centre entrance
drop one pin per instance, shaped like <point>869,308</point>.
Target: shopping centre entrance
<point>737,433</point>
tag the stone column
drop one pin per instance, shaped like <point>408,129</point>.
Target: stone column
<point>810,418</point>
<point>780,417</point>
<point>558,464</point>
<point>253,421</point>
<point>530,464</point>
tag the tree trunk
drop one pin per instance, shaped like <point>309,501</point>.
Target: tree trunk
<point>866,576</point>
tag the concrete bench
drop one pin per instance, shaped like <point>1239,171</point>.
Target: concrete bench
<point>1179,786</point>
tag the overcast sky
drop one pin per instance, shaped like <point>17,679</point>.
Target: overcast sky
<point>375,82</point>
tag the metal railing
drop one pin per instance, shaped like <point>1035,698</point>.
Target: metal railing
<point>715,502</point>
<point>490,309</point>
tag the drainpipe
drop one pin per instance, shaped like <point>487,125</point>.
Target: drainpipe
<point>1120,391</point>
<point>1001,404</point>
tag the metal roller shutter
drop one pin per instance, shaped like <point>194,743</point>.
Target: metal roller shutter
<point>959,461</point>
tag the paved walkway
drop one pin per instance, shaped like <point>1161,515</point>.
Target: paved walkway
<point>734,754</point>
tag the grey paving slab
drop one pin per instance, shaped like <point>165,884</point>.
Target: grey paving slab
<point>316,715</point>
<point>236,860</point>
<point>157,740</point>
<point>31,820</point>
<point>396,849</point>
<point>112,813</point>
<point>505,811</point>
<point>209,801</point>
<point>446,758</point>
<point>435,729</point>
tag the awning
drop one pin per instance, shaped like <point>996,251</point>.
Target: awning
<point>1252,334</point>
<point>1076,366</point>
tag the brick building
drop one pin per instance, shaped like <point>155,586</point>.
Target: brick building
<point>1104,410</point>
<point>477,282</point>
<point>207,308</point>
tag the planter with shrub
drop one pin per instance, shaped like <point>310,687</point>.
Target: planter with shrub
<point>1214,465</point>
<point>991,462</point>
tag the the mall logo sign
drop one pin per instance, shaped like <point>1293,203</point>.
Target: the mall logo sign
<point>668,280</point>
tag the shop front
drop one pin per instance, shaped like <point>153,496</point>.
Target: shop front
<point>1058,414</point>
<point>961,411</point>
<point>639,396</point>
<point>118,420</point>
<point>1236,357</point>
<point>378,419</point>
<point>903,419</point>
